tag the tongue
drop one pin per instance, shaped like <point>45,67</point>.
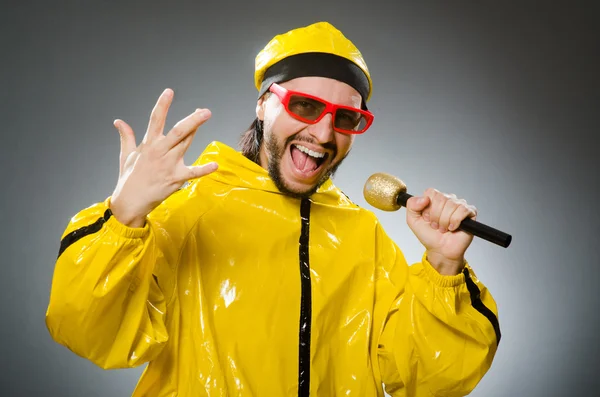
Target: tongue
<point>303,161</point>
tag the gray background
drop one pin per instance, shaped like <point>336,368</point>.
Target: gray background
<point>497,103</point>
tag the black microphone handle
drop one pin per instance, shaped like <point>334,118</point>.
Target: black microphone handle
<point>472,226</point>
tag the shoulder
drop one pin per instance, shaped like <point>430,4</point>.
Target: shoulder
<point>186,206</point>
<point>334,203</point>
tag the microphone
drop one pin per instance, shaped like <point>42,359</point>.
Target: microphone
<point>388,193</point>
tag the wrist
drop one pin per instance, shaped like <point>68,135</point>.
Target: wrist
<point>126,217</point>
<point>446,266</point>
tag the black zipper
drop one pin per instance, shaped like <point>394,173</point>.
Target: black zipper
<point>305,304</point>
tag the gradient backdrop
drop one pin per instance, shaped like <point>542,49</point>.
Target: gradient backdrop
<point>497,103</point>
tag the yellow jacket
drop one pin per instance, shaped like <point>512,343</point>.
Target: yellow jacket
<point>234,289</point>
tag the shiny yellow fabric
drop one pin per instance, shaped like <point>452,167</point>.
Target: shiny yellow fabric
<point>208,292</point>
<point>317,37</point>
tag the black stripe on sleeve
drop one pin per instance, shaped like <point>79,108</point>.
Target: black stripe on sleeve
<point>479,306</point>
<point>80,233</point>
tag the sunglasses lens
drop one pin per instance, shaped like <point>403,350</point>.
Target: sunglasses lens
<point>350,120</point>
<point>306,108</point>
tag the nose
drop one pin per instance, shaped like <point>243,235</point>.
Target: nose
<point>323,130</point>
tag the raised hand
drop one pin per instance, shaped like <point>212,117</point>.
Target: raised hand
<point>153,170</point>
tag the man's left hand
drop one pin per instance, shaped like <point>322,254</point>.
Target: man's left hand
<point>434,218</point>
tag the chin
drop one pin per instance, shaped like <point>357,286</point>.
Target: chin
<point>303,183</point>
<point>301,190</point>
<point>292,187</point>
<point>294,175</point>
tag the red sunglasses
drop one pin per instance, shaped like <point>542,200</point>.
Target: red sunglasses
<point>311,109</point>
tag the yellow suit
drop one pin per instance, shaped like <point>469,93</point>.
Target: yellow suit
<point>234,289</point>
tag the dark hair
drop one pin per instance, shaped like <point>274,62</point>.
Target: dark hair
<point>251,140</point>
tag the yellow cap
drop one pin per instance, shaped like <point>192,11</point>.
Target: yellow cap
<point>320,37</point>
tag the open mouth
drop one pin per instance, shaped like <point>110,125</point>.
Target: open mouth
<point>307,161</point>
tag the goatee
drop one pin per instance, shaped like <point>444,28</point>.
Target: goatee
<point>275,153</point>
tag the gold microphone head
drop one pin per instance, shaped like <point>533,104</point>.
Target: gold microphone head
<point>381,191</point>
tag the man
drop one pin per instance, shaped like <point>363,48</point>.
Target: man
<point>260,277</point>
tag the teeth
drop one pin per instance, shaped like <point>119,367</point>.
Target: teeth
<point>311,153</point>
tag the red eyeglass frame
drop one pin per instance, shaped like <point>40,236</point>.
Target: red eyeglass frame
<point>284,96</point>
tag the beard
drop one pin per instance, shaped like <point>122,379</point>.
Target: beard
<point>275,152</point>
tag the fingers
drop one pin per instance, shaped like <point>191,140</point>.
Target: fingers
<point>158,116</point>
<point>415,205</point>
<point>184,128</point>
<point>449,207</point>
<point>197,171</point>
<point>433,212</point>
<point>179,150</point>
<point>128,144</point>
<point>446,211</point>
<point>462,211</point>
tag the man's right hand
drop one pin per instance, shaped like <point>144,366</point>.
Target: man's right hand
<point>152,171</point>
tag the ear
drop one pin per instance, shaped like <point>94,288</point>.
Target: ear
<point>261,104</point>
<point>260,108</point>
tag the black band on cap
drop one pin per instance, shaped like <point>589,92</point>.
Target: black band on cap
<point>317,64</point>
